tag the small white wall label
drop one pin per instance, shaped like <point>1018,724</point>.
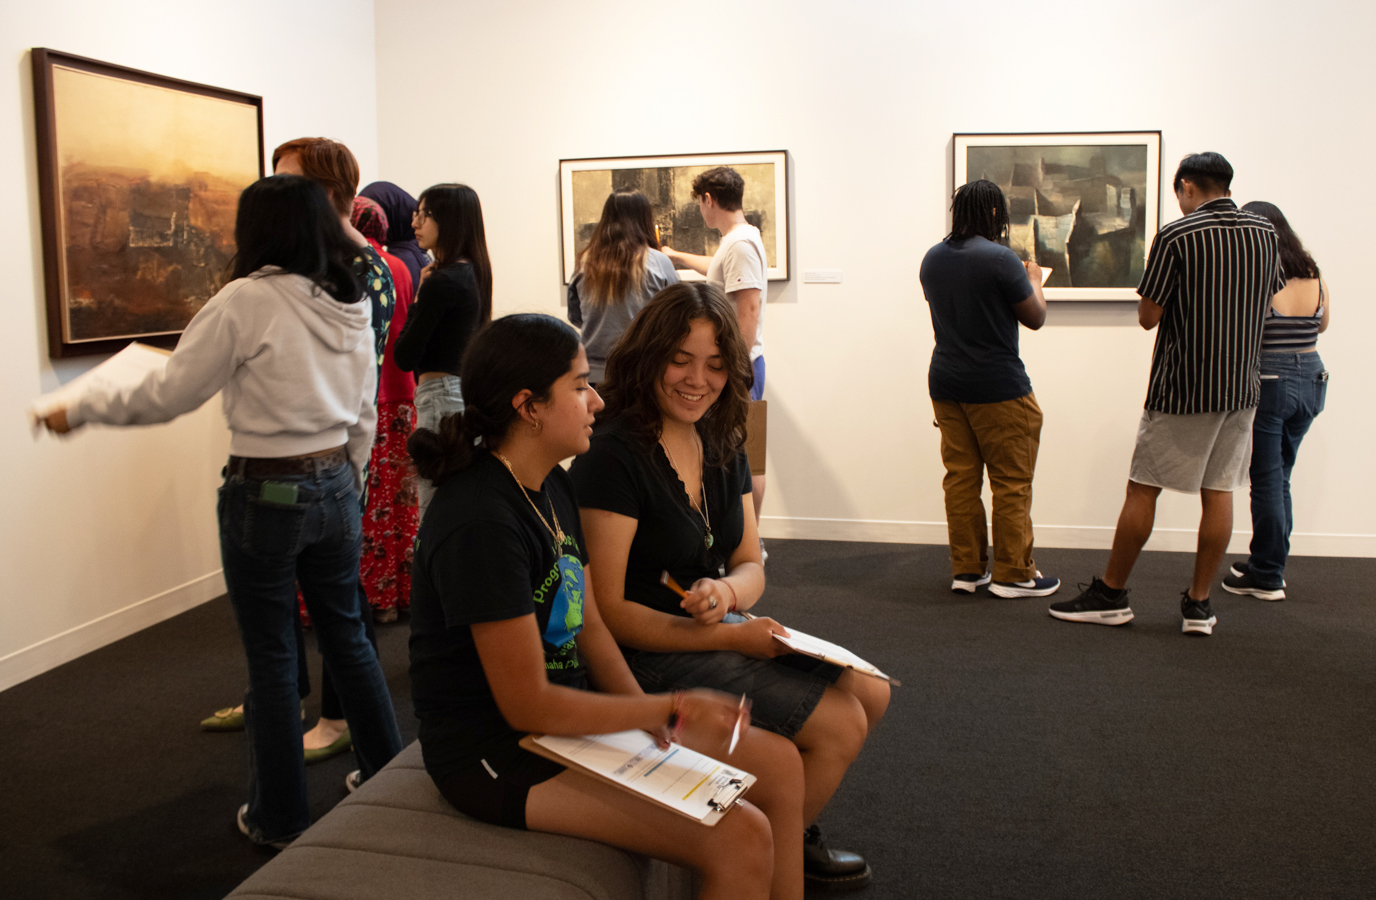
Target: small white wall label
<point>821,276</point>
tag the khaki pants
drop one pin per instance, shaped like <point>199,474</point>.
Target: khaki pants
<point>1002,437</point>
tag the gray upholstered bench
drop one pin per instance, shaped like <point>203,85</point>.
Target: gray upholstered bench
<point>397,837</point>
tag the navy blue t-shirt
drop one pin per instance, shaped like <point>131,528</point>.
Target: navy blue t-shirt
<point>972,286</point>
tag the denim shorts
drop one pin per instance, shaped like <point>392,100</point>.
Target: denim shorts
<point>783,691</point>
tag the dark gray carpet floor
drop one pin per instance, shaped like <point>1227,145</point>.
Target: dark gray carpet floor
<point>1022,757</point>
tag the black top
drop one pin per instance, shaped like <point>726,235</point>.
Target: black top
<point>972,285</point>
<point>441,321</point>
<point>621,475</point>
<point>1213,273</point>
<point>482,555</point>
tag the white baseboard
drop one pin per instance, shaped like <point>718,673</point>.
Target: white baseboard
<point>21,665</point>
<point>1083,537</point>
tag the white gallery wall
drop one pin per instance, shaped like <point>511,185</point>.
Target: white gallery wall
<point>113,530</point>
<point>866,97</point>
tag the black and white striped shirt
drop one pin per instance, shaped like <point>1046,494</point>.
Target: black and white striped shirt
<point>1213,273</point>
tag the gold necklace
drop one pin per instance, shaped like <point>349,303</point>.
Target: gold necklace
<point>557,531</point>
<point>703,512</point>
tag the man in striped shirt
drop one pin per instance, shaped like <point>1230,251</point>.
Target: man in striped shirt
<point>1208,281</point>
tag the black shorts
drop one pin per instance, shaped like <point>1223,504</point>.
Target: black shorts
<point>494,791</point>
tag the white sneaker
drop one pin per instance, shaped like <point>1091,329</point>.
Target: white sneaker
<point>241,818</point>
<point>354,780</point>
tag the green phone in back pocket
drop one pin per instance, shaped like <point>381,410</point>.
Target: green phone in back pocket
<point>276,492</point>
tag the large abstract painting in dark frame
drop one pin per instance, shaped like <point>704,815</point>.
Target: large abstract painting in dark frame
<point>1087,204</point>
<point>584,185</point>
<point>139,181</point>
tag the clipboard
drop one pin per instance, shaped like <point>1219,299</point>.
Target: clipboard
<point>678,779</point>
<point>807,645</point>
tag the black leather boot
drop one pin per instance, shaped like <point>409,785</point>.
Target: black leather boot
<point>836,870</point>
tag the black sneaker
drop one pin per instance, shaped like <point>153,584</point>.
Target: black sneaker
<point>242,820</point>
<point>1094,606</point>
<point>1242,570</point>
<point>969,583</point>
<point>1245,584</point>
<point>832,870</point>
<point>1199,618</point>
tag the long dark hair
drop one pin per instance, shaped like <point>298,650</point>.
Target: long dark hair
<point>523,352</point>
<point>636,366</point>
<point>1295,261</point>
<point>979,209</point>
<point>288,221</point>
<point>613,263</point>
<point>459,215</point>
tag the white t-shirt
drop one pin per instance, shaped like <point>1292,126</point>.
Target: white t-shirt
<point>738,265</point>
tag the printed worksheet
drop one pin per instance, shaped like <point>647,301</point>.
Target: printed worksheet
<point>683,780</point>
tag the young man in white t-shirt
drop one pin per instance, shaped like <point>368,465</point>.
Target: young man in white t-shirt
<point>739,268</point>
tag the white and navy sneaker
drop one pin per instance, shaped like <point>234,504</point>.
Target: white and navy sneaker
<point>1247,585</point>
<point>1199,618</point>
<point>354,780</point>
<point>1094,606</point>
<point>970,583</point>
<point>1036,586</point>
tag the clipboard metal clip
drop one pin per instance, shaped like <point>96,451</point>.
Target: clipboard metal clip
<point>735,787</point>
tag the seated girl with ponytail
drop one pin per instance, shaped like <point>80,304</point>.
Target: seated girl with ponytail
<point>506,638</point>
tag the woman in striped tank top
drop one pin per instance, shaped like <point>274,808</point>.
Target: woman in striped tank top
<point>1294,384</point>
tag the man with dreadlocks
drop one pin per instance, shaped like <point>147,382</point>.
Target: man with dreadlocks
<point>978,292</point>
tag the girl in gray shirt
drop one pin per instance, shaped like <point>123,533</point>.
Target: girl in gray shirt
<point>618,272</point>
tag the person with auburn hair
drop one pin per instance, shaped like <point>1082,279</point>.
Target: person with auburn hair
<point>507,639</point>
<point>1294,386</point>
<point>666,487</point>
<point>454,300</point>
<point>618,272</point>
<point>288,343</point>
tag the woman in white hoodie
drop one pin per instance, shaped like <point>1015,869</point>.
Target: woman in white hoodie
<point>290,345</point>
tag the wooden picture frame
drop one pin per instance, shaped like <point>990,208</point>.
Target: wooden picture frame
<point>139,178</point>
<point>1090,202</point>
<point>584,185</point>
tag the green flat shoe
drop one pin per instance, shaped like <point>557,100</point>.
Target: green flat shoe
<point>229,719</point>
<point>342,743</point>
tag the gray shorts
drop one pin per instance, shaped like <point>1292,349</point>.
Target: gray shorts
<point>1186,453</point>
<point>783,691</point>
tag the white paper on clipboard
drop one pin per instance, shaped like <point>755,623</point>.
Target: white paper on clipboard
<point>683,780</point>
<point>808,645</point>
<point>127,368</point>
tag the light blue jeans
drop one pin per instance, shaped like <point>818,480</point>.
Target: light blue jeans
<point>435,399</point>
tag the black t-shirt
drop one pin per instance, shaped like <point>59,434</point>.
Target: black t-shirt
<point>483,555</point>
<point>621,475</point>
<point>972,286</point>
<point>440,323</point>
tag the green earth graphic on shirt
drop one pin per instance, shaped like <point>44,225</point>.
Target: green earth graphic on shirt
<point>566,610</point>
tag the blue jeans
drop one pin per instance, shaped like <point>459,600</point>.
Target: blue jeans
<point>435,399</point>
<point>1293,389</point>
<point>267,548</point>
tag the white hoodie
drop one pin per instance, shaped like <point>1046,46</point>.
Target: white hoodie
<point>296,367</point>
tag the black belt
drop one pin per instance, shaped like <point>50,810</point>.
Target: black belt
<point>249,467</point>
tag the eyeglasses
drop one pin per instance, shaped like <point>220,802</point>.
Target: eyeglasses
<point>420,215</point>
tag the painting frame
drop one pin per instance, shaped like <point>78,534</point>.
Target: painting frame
<point>45,62</point>
<point>1149,205</point>
<point>781,270</point>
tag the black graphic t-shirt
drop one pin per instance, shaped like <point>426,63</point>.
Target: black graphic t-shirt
<point>483,555</point>
<point>621,475</point>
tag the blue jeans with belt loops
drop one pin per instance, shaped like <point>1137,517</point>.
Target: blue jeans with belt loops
<point>1294,387</point>
<point>267,548</point>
